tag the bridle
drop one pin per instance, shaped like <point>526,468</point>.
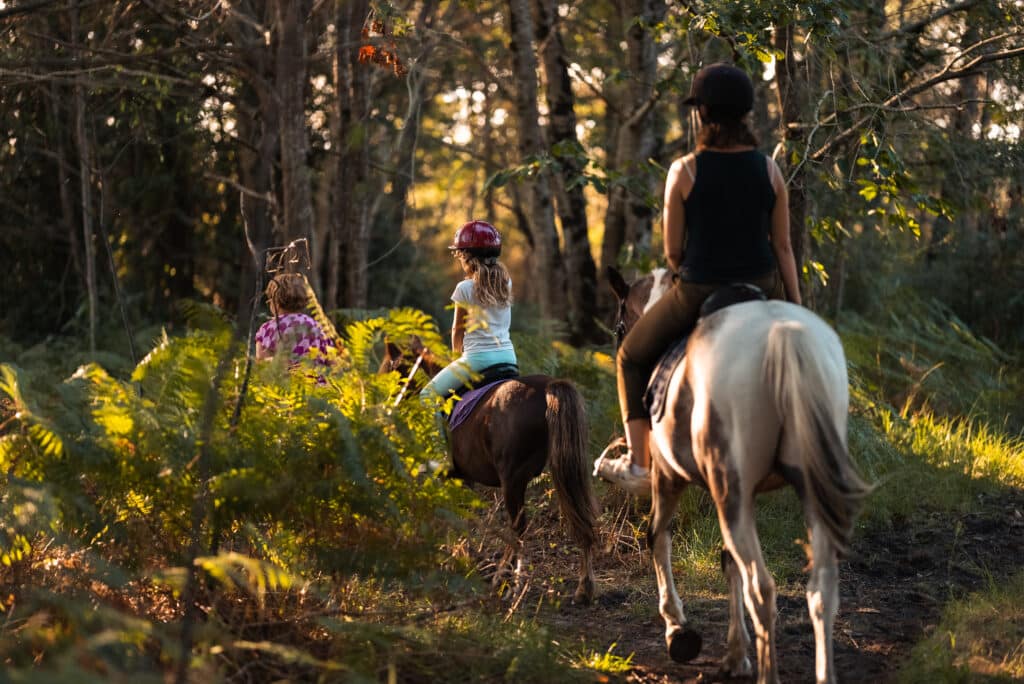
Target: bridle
<point>620,325</point>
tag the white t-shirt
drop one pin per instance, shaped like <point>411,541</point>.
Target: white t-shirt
<point>486,327</point>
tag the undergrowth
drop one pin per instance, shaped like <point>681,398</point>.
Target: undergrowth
<point>294,520</point>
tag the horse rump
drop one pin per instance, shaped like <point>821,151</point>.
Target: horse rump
<point>810,393</point>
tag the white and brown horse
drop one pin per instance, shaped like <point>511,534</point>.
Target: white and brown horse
<point>760,401</point>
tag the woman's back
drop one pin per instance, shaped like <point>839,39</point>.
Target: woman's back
<point>728,218</point>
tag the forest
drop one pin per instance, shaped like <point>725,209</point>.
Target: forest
<point>172,510</point>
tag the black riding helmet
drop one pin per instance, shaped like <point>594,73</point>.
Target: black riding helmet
<point>724,91</point>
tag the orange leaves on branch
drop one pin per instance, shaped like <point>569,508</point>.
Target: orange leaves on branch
<point>384,56</point>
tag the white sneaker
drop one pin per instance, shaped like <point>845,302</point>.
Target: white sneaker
<point>624,473</point>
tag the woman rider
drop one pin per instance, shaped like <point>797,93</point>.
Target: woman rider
<point>726,220</point>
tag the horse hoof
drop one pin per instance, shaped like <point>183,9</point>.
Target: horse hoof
<point>582,598</point>
<point>684,645</point>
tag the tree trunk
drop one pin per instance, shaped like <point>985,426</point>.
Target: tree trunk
<point>258,129</point>
<point>549,274</point>
<point>67,206</point>
<point>85,186</point>
<point>791,90</point>
<point>629,217</point>
<point>350,235</point>
<point>296,196</point>
<point>581,272</point>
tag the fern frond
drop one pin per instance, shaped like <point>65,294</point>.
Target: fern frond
<point>399,325</point>
<point>238,571</point>
<point>203,315</point>
<point>41,430</point>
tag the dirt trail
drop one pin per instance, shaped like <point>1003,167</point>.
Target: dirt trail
<point>892,590</point>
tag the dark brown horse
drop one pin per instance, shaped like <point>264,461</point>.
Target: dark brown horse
<point>521,426</point>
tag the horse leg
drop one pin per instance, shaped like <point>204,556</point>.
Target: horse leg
<point>736,516</point>
<point>736,662</point>
<point>683,644</point>
<point>515,498</point>
<point>822,600</point>
<point>585,588</point>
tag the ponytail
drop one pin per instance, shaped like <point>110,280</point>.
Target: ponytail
<point>491,285</point>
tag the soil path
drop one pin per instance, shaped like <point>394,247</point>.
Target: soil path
<point>893,588</point>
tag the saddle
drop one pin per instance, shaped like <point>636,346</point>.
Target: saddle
<point>657,387</point>
<point>469,395</point>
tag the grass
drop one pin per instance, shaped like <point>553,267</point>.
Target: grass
<point>980,639</point>
<point>605,661</point>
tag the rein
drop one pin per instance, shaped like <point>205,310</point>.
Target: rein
<point>408,380</point>
<point>620,325</point>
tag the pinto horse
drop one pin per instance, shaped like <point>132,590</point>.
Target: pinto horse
<point>518,428</point>
<point>759,401</point>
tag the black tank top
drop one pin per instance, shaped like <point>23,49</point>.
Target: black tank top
<point>728,216</point>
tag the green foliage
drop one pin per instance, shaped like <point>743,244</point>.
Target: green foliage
<point>320,477</point>
<point>607,662</point>
<point>363,336</point>
<point>890,189</point>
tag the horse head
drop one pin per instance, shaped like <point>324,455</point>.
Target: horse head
<point>409,361</point>
<point>636,297</point>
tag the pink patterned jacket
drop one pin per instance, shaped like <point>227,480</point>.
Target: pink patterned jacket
<point>295,332</point>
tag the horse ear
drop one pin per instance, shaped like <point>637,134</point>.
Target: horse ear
<point>392,351</point>
<point>416,344</point>
<point>618,283</point>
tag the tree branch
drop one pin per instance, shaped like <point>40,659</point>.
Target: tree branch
<point>946,74</point>
<point>918,26</point>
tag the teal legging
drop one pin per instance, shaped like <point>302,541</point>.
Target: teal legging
<point>459,372</point>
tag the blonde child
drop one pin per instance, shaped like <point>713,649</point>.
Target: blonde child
<point>483,309</point>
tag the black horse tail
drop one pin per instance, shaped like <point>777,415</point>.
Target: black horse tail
<point>567,446</point>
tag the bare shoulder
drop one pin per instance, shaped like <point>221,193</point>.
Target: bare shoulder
<point>683,172</point>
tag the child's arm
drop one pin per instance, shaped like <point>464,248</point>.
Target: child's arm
<point>458,329</point>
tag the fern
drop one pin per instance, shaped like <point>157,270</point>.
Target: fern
<point>237,571</point>
<point>398,325</point>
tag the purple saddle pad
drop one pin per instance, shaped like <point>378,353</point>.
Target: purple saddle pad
<point>469,400</point>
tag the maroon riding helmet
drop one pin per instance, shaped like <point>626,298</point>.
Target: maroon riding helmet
<point>479,238</point>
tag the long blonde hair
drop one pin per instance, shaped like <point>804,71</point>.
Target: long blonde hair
<point>491,285</point>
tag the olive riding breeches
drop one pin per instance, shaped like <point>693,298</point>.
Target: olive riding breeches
<point>669,319</point>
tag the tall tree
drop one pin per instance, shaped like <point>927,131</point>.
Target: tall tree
<point>581,273</point>
<point>85,167</point>
<point>349,242</point>
<point>630,213</point>
<point>291,17</point>
<point>549,273</point>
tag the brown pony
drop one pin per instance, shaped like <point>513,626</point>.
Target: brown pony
<point>521,426</point>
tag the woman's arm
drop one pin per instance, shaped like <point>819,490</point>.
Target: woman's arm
<point>780,234</point>
<point>262,353</point>
<point>458,329</point>
<point>677,186</point>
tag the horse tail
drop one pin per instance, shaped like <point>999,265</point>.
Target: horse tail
<point>813,419</point>
<point>567,446</point>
